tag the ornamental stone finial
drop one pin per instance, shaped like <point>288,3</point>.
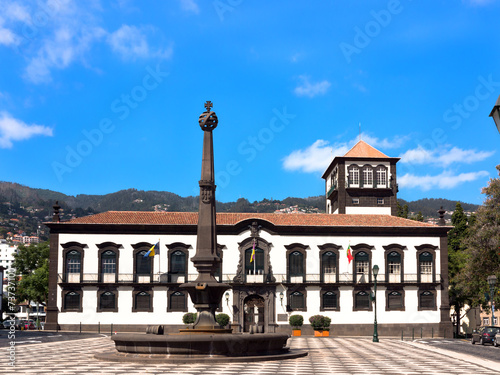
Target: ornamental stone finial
<point>208,120</point>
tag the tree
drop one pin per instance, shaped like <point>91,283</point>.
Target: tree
<point>399,209</point>
<point>31,264</point>
<point>457,260</point>
<point>419,216</point>
<point>482,253</point>
<point>405,211</point>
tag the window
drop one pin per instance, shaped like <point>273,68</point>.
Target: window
<point>143,267</point>
<point>495,321</point>
<point>395,300</point>
<point>142,301</point>
<point>425,267</point>
<point>178,262</point>
<point>427,300</point>
<point>486,321</point>
<point>73,261</point>
<point>72,301</point>
<point>330,300</point>
<point>362,267</point>
<point>297,301</point>
<point>355,200</point>
<point>367,177</point>
<point>380,200</point>
<point>108,260</point>
<point>353,176</point>
<point>177,266</point>
<point>381,177</point>
<point>329,267</point>
<point>255,266</point>
<point>394,267</point>
<point>362,300</point>
<point>108,266</point>
<point>296,267</point>
<point>107,301</point>
<point>177,301</point>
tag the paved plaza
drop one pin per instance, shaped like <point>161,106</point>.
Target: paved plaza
<point>326,356</point>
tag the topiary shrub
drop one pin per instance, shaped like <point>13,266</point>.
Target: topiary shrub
<point>320,322</point>
<point>222,319</point>
<point>189,318</point>
<point>296,321</point>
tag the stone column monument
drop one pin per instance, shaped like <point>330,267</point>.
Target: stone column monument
<point>206,292</point>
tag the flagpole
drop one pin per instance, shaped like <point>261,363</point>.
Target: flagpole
<point>254,256</point>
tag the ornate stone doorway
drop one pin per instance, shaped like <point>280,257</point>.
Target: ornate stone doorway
<point>253,309</point>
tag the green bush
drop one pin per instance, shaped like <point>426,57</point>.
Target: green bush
<point>296,321</point>
<point>222,319</point>
<point>189,318</point>
<point>320,322</point>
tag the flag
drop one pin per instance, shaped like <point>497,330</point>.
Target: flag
<point>349,254</point>
<point>252,257</point>
<point>153,251</point>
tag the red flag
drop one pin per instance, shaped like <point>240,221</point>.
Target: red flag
<point>349,254</point>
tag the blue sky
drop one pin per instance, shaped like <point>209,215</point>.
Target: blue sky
<point>100,96</point>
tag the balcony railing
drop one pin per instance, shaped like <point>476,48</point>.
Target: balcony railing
<point>331,190</point>
<point>165,278</point>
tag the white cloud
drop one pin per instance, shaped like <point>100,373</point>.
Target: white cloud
<point>443,157</point>
<point>318,156</point>
<point>190,6</point>
<point>56,34</point>
<point>396,142</point>
<point>7,37</point>
<point>131,43</point>
<point>17,12</point>
<point>311,89</point>
<point>66,46</point>
<point>445,180</point>
<point>312,159</point>
<point>12,129</point>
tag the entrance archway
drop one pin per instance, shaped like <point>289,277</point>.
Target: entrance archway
<point>253,308</point>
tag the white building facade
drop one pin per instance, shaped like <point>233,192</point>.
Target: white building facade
<point>301,267</point>
<point>100,277</point>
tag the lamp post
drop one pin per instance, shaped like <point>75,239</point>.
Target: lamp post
<point>495,113</point>
<point>374,299</point>
<point>492,280</point>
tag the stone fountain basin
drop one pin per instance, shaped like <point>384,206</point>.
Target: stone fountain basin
<point>235,344</point>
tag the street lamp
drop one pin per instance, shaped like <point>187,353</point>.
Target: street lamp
<point>495,113</point>
<point>374,299</point>
<point>492,280</point>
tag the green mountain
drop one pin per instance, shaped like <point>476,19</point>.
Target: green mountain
<point>24,209</point>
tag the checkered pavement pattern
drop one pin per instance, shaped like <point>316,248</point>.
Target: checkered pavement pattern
<point>327,355</point>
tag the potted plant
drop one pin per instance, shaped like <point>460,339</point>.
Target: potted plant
<point>222,320</point>
<point>326,326</point>
<point>320,325</point>
<point>296,322</point>
<point>189,318</point>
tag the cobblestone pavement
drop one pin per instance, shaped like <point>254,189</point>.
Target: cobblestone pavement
<point>326,356</point>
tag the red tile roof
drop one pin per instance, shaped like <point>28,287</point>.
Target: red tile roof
<point>364,150</point>
<point>191,218</point>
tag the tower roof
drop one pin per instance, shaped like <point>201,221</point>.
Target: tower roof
<point>364,150</point>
